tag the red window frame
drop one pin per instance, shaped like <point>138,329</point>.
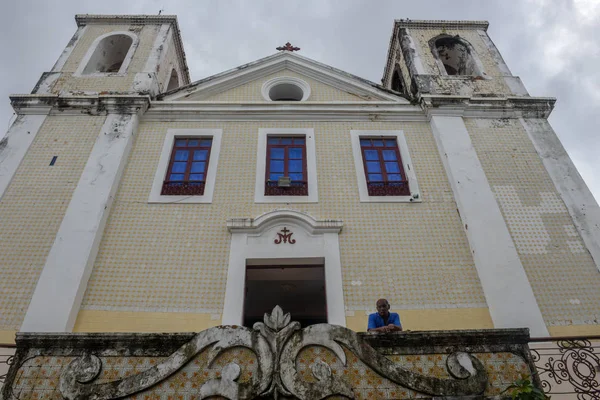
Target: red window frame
<point>298,187</point>
<point>387,185</point>
<point>189,185</point>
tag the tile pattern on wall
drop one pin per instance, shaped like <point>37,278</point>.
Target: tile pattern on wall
<point>174,257</point>
<point>38,378</point>
<point>33,207</point>
<point>563,275</point>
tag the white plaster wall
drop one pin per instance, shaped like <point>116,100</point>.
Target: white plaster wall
<point>15,144</point>
<point>61,286</point>
<point>505,284</point>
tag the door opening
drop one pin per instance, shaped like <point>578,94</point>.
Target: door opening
<point>297,289</point>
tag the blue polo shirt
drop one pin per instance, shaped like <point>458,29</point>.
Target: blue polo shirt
<point>376,321</point>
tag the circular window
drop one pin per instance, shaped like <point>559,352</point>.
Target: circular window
<point>285,89</point>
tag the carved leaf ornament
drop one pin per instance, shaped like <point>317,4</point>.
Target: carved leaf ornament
<point>276,344</point>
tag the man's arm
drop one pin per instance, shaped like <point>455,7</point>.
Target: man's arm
<point>395,325</point>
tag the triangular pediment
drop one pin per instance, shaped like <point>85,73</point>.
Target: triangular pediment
<point>246,83</point>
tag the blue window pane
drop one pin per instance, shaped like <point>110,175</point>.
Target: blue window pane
<point>198,167</point>
<point>394,177</point>
<point>296,177</point>
<point>273,140</point>
<point>299,141</point>
<point>206,142</point>
<point>375,177</point>
<point>295,153</point>
<point>176,177</point>
<point>193,142</point>
<point>392,168</point>
<point>276,166</point>
<point>181,155</point>
<point>286,141</point>
<point>371,155</point>
<point>378,143</point>
<point>277,154</point>
<point>178,167</point>
<point>196,177</point>
<point>180,143</point>
<point>389,155</point>
<point>295,165</point>
<point>373,166</point>
<point>200,155</point>
<point>274,177</point>
<point>390,143</point>
<point>365,142</point>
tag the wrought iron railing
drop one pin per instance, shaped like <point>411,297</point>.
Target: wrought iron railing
<point>7,352</point>
<point>296,188</point>
<point>391,188</point>
<point>180,188</point>
<point>568,367</point>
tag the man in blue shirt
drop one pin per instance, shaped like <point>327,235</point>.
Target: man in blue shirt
<point>383,320</point>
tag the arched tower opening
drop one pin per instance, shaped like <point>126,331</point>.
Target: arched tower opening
<point>456,55</point>
<point>397,81</point>
<point>109,54</point>
<point>173,80</point>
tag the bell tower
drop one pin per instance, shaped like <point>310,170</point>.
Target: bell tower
<point>138,54</point>
<point>455,58</point>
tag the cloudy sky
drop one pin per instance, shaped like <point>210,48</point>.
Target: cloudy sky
<point>550,44</point>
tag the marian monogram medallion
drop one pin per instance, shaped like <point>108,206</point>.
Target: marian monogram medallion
<point>285,236</point>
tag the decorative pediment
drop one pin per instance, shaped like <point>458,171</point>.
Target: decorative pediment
<point>206,89</point>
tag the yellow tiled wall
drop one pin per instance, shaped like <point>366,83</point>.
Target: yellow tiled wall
<point>251,91</point>
<point>33,207</point>
<point>563,275</point>
<point>174,257</point>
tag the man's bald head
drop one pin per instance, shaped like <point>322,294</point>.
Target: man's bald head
<point>383,307</point>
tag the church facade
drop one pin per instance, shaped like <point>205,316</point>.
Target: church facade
<point>135,200</point>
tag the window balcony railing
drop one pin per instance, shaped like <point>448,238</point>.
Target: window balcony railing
<point>181,188</point>
<point>7,352</point>
<point>395,188</point>
<point>296,188</point>
<point>568,367</point>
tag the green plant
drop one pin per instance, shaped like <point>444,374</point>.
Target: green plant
<point>523,389</point>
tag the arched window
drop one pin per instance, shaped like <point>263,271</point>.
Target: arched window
<point>173,81</point>
<point>111,53</point>
<point>456,56</point>
<point>397,81</point>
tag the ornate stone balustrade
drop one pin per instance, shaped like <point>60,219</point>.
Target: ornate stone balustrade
<point>275,359</point>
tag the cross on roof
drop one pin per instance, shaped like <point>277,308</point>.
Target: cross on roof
<point>288,47</point>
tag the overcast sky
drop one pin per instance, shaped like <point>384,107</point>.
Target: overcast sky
<point>551,44</point>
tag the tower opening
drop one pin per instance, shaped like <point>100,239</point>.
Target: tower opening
<point>173,81</point>
<point>109,54</point>
<point>298,289</point>
<point>397,82</point>
<point>456,56</point>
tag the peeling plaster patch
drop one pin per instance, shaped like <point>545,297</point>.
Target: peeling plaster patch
<point>46,82</point>
<point>526,223</point>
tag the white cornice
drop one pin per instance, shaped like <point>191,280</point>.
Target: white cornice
<point>284,111</point>
<point>275,63</point>
<point>77,105</point>
<point>441,24</point>
<point>488,107</point>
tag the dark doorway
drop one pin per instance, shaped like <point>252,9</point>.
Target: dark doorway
<point>299,290</point>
